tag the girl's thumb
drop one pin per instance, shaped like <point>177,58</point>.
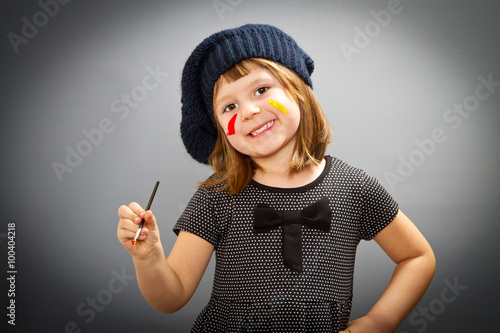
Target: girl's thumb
<point>150,220</point>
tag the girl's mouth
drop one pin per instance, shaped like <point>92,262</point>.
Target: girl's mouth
<point>262,129</point>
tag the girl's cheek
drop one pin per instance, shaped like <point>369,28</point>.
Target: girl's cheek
<point>278,106</point>
<point>230,125</point>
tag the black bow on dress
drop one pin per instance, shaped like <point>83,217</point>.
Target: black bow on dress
<point>317,216</point>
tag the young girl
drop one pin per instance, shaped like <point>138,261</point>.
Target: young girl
<point>283,219</point>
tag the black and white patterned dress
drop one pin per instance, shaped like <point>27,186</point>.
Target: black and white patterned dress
<point>253,290</point>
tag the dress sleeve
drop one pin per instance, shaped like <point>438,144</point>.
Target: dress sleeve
<point>199,218</point>
<point>378,208</point>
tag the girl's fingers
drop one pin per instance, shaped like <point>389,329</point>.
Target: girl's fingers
<point>126,230</point>
<point>130,218</point>
<point>125,213</point>
<point>125,223</point>
<point>133,212</point>
<point>137,210</point>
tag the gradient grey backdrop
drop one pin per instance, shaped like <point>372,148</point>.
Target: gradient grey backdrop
<point>394,91</point>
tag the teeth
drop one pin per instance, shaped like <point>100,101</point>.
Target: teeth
<point>266,126</point>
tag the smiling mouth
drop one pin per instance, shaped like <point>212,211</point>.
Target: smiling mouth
<point>262,129</point>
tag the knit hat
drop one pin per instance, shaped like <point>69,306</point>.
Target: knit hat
<point>212,58</point>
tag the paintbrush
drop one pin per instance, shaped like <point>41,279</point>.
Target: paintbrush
<point>141,225</point>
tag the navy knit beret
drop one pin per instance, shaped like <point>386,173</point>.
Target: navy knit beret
<point>212,58</point>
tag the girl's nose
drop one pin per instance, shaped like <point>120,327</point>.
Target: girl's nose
<point>249,110</point>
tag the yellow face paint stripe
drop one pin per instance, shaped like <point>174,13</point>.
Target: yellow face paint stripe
<point>278,106</point>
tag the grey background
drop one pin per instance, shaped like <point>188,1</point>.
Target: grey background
<point>394,91</point>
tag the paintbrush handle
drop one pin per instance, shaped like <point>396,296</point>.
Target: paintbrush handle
<point>141,225</point>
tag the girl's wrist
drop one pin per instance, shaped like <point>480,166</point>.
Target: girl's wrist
<point>154,256</point>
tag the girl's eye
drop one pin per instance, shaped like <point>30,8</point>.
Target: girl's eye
<point>230,107</point>
<point>260,91</point>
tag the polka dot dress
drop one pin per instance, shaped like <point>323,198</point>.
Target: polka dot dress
<point>253,290</point>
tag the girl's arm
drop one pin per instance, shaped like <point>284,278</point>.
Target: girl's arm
<point>166,283</point>
<point>415,264</point>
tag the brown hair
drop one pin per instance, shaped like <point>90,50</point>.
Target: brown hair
<point>235,170</point>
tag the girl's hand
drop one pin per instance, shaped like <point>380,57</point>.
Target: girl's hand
<point>362,325</point>
<point>149,238</point>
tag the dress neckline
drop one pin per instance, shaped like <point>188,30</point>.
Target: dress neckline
<point>302,188</point>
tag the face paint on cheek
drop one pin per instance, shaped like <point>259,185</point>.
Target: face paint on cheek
<point>278,106</point>
<point>230,126</point>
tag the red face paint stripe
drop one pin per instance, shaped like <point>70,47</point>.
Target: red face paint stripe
<point>230,125</point>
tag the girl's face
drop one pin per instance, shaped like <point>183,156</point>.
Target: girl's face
<point>258,115</point>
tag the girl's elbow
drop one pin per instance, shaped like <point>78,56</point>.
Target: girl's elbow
<point>168,308</point>
<point>168,304</point>
<point>432,262</point>
<point>429,263</point>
